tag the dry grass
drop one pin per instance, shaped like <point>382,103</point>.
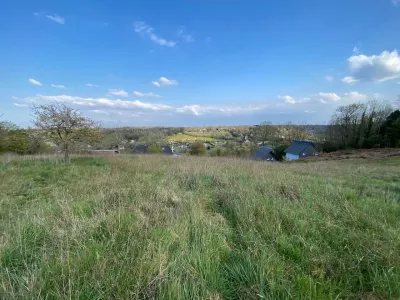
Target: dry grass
<point>154,227</point>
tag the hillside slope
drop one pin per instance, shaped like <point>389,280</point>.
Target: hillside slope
<point>153,227</point>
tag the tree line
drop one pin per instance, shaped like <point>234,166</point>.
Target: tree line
<point>358,125</point>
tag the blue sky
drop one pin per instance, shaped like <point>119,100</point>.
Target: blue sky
<point>198,62</point>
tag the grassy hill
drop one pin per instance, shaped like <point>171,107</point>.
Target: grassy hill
<point>154,227</point>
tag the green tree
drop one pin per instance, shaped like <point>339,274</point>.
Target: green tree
<point>154,148</point>
<point>198,148</point>
<point>390,130</point>
<point>280,151</point>
<point>18,142</point>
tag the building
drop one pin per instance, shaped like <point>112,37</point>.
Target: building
<point>300,149</point>
<point>140,149</point>
<point>168,150</point>
<point>264,154</point>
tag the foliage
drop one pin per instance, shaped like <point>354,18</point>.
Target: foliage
<point>197,148</point>
<point>279,151</point>
<point>203,228</point>
<point>390,130</point>
<point>357,125</point>
<point>154,148</point>
<point>65,126</point>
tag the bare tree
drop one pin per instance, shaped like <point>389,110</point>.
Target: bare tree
<point>264,131</point>
<point>358,124</point>
<point>296,132</point>
<point>65,126</point>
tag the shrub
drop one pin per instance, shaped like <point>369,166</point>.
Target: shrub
<point>197,148</point>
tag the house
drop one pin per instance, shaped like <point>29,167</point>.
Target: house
<point>264,154</point>
<point>299,149</point>
<point>140,149</point>
<point>168,150</point>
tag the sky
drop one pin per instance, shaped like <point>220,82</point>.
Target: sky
<point>197,62</point>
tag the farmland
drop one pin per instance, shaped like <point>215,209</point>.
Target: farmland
<point>157,227</point>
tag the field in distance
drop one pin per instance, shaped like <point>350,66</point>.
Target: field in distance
<point>157,227</point>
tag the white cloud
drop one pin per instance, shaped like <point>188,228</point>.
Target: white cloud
<point>22,105</point>
<point>147,31</point>
<point>104,105</point>
<point>91,85</point>
<point>325,97</point>
<point>58,86</point>
<point>355,96</point>
<point>356,50</point>
<point>329,78</point>
<point>56,18</point>
<point>288,99</point>
<point>34,82</point>
<point>349,80</point>
<point>378,68</point>
<point>139,94</point>
<point>164,82</point>
<point>395,2</point>
<point>187,38</point>
<point>117,93</point>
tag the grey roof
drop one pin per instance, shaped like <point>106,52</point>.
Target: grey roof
<point>140,149</point>
<point>297,147</point>
<point>263,153</point>
<point>167,150</point>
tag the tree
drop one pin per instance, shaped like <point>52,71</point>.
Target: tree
<point>65,126</point>
<point>390,130</point>
<point>264,131</point>
<point>197,148</point>
<point>357,125</point>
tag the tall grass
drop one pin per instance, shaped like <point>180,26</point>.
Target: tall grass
<point>153,227</point>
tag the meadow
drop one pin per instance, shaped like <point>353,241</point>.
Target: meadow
<point>157,227</point>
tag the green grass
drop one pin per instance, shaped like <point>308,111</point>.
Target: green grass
<point>156,227</point>
<point>190,137</point>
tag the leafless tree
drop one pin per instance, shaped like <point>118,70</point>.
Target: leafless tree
<point>65,126</point>
<point>264,131</point>
<point>357,124</point>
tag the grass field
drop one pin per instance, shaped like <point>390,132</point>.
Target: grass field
<point>156,227</point>
<point>190,137</point>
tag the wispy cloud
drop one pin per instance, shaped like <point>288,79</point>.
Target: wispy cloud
<point>329,97</point>
<point>56,18</point>
<point>147,31</point>
<point>91,85</point>
<point>117,93</point>
<point>139,94</point>
<point>349,80</point>
<point>21,105</point>
<point>34,82</point>
<point>329,78</point>
<point>356,50</point>
<point>164,82</point>
<point>288,99</point>
<point>395,2</point>
<point>185,37</point>
<point>58,86</point>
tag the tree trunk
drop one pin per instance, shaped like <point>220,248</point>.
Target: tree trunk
<point>66,153</point>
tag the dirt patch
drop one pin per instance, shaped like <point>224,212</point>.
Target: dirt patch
<point>362,153</point>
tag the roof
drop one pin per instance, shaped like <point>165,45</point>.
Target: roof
<point>167,150</point>
<point>297,147</point>
<point>263,153</point>
<point>140,149</point>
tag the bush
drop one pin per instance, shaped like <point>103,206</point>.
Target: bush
<point>280,151</point>
<point>197,148</point>
<point>155,149</point>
